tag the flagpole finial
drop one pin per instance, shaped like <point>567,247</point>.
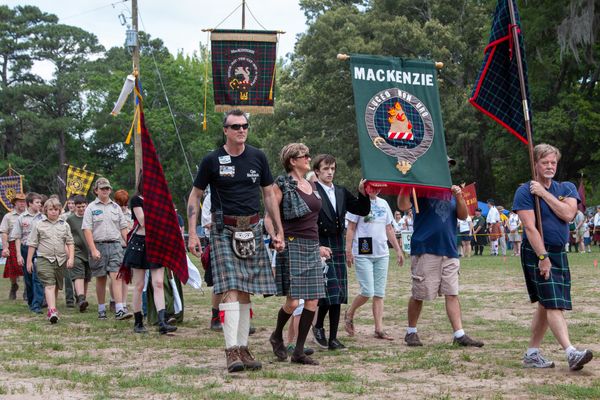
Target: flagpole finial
<point>343,57</point>
<point>439,64</point>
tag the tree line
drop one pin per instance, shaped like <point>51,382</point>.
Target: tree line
<point>48,123</point>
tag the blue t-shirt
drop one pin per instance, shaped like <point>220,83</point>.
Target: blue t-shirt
<point>435,228</point>
<point>556,231</point>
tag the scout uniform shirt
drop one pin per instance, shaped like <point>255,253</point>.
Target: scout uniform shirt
<point>104,220</point>
<point>50,237</point>
<point>23,226</point>
<point>8,222</point>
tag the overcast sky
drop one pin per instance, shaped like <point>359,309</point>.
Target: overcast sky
<point>178,23</point>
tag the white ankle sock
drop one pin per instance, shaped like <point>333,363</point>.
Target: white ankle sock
<point>459,333</point>
<point>118,307</point>
<point>244,324</point>
<point>411,330</point>
<point>532,350</point>
<point>231,323</point>
<point>569,350</point>
<point>101,307</point>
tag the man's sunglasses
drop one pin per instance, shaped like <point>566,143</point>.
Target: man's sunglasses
<point>237,127</point>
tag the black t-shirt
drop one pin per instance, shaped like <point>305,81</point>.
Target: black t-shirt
<point>234,181</point>
<point>136,201</point>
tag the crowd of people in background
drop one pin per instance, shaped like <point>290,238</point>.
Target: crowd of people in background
<point>316,231</point>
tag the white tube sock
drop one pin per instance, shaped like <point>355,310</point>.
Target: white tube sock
<point>231,322</point>
<point>244,324</point>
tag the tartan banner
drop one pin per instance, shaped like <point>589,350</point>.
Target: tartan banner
<point>399,121</point>
<point>243,65</point>
<point>9,186</point>
<point>470,195</point>
<point>497,91</point>
<point>79,181</point>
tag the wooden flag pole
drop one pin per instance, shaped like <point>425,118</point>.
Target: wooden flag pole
<point>415,202</point>
<point>516,46</point>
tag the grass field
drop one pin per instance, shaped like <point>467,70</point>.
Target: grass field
<point>82,358</point>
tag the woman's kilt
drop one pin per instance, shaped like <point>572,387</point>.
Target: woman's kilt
<point>336,287</point>
<point>12,269</point>
<point>135,254</point>
<point>299,271</point>
<point>250,275</point>
<point>554,293</point>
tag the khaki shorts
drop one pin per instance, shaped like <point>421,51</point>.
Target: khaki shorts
<point>81,270</point>
<point>50,273</point>
<point>434,276</point>
<point>111,260</point>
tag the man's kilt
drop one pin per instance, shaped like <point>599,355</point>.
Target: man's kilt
<point>299,272</point>
<point>336,288</point>
<point>12,269</point>
<point>229,272</point>
<point>554,293</point>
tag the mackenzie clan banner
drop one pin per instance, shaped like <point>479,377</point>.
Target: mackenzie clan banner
<point>243,65</point>
<point>400,129</point>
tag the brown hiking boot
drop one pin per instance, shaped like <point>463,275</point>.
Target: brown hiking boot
<point>303,359</point>
<point>248,359</point>
<point>234,364</point>
<point>412,340</point>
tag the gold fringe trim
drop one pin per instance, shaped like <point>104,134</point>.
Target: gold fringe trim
<point>247,37</point>
<point>248,109</point>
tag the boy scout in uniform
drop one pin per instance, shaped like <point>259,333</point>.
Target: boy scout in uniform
<point>52,238</point>
<point>104,225</point>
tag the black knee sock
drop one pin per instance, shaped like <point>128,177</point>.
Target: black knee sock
<point>334,320</point>
<point>282,319</point>
<point>303,327</point>
<point>321,316</point>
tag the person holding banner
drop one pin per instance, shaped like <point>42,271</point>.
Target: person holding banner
<point>135,258</point>
<point>336,201</point>
<point>434,261</point>
<point>236,173</point>
<point>543,257</point>
<point>367,248</point>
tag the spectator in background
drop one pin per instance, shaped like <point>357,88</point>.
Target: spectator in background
<point>580,230</point>
<point>514,232</point>
<point>503,229</point>
<point>597,226</point>
<point>479,232</point>
<point>493,224</point>
<point>465,229</point>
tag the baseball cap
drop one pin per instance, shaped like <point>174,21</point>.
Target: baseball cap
<point>102,183</point>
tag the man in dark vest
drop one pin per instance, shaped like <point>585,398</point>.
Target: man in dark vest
<point>336,201</point>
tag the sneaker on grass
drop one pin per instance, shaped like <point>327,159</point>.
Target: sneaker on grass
<point>537,361</point>
<point>465,340</point>
<point>578,358</point>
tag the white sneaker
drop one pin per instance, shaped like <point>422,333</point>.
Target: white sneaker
<point>578,358</point>
<point>536,361</point>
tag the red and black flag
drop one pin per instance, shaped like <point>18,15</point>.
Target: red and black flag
<point>164,241</point>
<point>497,90</point>
<point>243,65</point>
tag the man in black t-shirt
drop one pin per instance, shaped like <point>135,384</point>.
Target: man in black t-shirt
<point>236,173</point>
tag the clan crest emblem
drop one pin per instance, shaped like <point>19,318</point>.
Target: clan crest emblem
<point>399,125</point>
<point>242,74</point>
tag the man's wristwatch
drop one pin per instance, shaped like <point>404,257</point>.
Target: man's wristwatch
<point>542,257</point>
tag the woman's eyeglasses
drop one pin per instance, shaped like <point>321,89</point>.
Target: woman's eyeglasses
<point>307,156</point>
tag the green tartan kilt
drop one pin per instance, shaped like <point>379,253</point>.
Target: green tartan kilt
<point>250,275</point>
<point>554,293</point>
<point>336,288</point>
<point>299,272</point>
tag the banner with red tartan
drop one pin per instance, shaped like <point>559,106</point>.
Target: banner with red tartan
<point>164,241</point>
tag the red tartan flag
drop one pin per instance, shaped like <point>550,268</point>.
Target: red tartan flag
<point>164,242</point>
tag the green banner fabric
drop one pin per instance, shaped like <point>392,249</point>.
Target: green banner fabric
<point>243,65</point>
<point>400,128</point>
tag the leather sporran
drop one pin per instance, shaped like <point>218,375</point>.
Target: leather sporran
<point>243,243</point>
